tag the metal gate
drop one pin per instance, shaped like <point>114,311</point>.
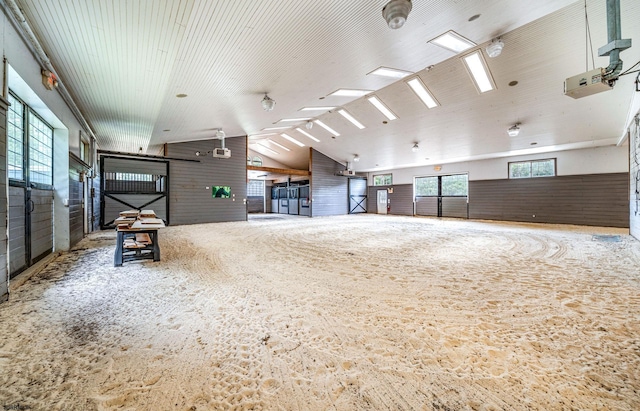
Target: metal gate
<point>132,184</point>
<point>357,195</point>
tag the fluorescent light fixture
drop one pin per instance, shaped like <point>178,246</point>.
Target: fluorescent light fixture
<point>293,140</point>
<point>301,131</point>
<point>278,144</point>
<point>390,72</point>
<point>299,119</point>
<point>317,108</point>
<point>380,106</point>
<point>453,41</point>
<point>261,135</point>
<point>479,72</point>
<point>326,127</point>
<point>275,128</point>
<point>345,92</point>
<point>422,92</point>
<point>267,148</point>
<point>349,117</point>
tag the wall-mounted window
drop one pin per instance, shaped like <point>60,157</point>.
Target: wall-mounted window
<point>257,161</point>
<point>426,186</point>
<point>382,180</point>
<point>455,185</point>
<point>532,169</point>
<point>255,188</point>
<point>15,139</point>
<point>30,146</point>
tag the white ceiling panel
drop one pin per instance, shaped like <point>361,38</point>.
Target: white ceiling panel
<point>126,61</point>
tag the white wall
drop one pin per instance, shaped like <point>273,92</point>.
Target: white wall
<point>599,160</point>
<point>26,81</point>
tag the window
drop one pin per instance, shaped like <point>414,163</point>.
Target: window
<point>255,188</point>
<point>531,169</point>
<point>455,185</point>
<point>382,180</point>
<point>29,144</point>
<point>257,161</point>
<point>15,139</point>
<point>426,186</point>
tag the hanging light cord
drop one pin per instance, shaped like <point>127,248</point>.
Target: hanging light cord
<point>588,43</point>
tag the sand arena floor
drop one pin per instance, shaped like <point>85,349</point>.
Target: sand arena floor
<point>341,313</point>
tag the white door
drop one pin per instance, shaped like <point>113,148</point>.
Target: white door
<point>382,201</point>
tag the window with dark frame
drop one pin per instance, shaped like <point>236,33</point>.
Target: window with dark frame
<point>29,146</point>
<point>533,168</point>
<point>382,180</point>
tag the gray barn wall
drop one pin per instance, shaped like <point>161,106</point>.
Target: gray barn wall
<point>255,204</point>
<point>4,274</point>
<point>76,210</point>
<point>328,190</point>
<point>17,230</point>
<point>634,165</point>
<point>597,200</point>
<point>94,197</point>
<point>191,202</point>
<point>400,201</point>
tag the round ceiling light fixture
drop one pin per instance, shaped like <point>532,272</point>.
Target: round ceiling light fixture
<point>415,147</point>
<point>396,12</point>
<point>514,130</point>
<point>356,158</point>
<point>495,47</point>
<point>268,103</point>
<point>220,134</point>
<point>309,125</point>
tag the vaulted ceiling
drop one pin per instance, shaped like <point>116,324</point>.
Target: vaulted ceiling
<point>127,63</point>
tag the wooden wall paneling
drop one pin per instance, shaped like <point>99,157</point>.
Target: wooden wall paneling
<point>41,224</point>
<point>17,231</point>
<point>454,207</point>
<point>4,273</point>
<point>400,201</point>
<point>191,202</point>
<point>598,200</point>
<point>427,206</point>
<point>328,190</point>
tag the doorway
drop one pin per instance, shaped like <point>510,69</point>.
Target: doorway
<point>382,201</point>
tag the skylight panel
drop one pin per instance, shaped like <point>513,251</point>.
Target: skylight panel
<point>453,41</point>
<point>317,108</point>
<point>352,119</point>
<point>345,92</point>
<point>267,148</point>
<point>382,108</point>
<point>422,92</point>
<point>390,72</point>
<point>326,127</point>
<point>293,140</point>
<point>299,119</point>
<point>278,144</point>
<point>301,131</point>
<point>479,72</point>
<point>275,128</point>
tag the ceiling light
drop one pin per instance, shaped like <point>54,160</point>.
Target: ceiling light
<point>390,72</point>
<point>415,147</point>
<point>317,108</point>
<point>275,128</point>
<point>309,125</point>
<point>267,148</point>
<point>514,130</point>
<point>220,134</point>
<point>278,144</point>
<point>479,72</point>
<point>299,119</point>
<point>326,127</point>
<point>346,92</point>
<point>261,135</point>
<point>268,103</point>
<point>453,41</point>
<point>495,48</point>
<point>307,134</point>
<point>356,158</point>
<point>422,92</point>
<point>351,118</point>
<point>293,140</point>
<point>380,106</point>
<point>396,12</point>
